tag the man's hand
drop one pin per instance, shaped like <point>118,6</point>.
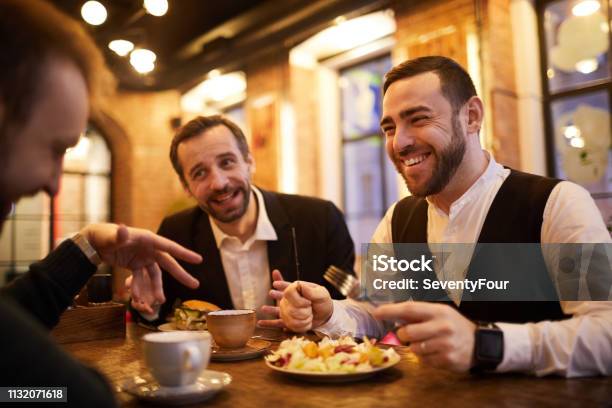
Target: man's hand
<point>142,296</point>
<point>142,252</point>
<point>279,284</point>
<point>438,334</point>
<point>305,306</point>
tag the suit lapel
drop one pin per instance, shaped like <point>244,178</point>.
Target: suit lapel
<point>280,252</point>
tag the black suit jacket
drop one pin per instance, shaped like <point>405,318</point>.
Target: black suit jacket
<point>322,240</point>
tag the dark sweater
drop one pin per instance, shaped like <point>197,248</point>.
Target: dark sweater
<point>29,307</point>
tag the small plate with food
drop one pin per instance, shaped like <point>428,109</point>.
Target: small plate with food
<point>340,360</point>
<point>190,315</point>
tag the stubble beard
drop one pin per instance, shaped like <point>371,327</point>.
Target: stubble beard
<point>234,215</point>
<point>448,161</point>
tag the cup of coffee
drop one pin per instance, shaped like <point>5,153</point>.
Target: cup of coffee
<point>231,328</point>
<point>176,358</point>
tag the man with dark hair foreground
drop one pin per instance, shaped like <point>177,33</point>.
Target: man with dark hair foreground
<point>48,71</point>
<point>244,231</point>
<point>431,121</point>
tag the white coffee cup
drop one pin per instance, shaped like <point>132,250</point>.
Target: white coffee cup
<point>176,358</point>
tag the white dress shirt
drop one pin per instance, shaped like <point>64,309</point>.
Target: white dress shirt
<point>246,264</point>
<point>579,346</point>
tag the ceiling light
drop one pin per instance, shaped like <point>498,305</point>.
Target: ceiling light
<point>143,67</point>
<point>143,60</point>
<point>585,8</point>
<point>121,47</point>
<point>224,86</point>
<point>156,7</point>
<point>214,73</point>
<point>347,34</point>
<point>587,66</point>
<point>94,13</point>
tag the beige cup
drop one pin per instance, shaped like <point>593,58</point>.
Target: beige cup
<point>231,328</point>
<point>176,358</point>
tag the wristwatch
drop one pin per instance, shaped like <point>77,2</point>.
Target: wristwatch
<point>488,347</point>
<point>87,249</point>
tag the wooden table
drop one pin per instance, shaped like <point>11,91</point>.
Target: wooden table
<point>407,384</point>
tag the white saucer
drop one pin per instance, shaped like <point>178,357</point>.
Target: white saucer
<point>147,389</point>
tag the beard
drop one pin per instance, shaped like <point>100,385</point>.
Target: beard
<point>232,214</point>
<point>448,161</point>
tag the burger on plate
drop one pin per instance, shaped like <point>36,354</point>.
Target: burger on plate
<point>191,314</point>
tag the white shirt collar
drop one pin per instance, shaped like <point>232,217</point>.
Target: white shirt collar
<point>264,230</point>
<point>492,171</point>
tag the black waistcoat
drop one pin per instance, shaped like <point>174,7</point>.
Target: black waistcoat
<point>515,216</point>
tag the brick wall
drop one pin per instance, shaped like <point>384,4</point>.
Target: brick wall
<point>267,80</point>
<point>498,64</point>
<point>304,97</point>
<point>139,131</point>
<point>433,28</point>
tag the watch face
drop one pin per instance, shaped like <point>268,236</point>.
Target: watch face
<point>491,344</point>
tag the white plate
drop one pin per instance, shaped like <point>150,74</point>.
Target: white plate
<point>331,377</point>
<point>207,385</point>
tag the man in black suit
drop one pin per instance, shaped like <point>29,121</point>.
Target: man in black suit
<point>244,232</point>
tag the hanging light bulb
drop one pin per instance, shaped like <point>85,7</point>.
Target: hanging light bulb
<point>143,60</point>
<point>156,7</point>
<point>94,12</point>
<point>121,47</point>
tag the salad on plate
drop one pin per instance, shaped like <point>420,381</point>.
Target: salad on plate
<point>341,356</point>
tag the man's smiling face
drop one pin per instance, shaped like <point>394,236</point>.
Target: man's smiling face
<point>424,139</point>
<point>216,173</point>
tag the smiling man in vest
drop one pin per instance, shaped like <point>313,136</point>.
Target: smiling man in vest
<point>431,120</point>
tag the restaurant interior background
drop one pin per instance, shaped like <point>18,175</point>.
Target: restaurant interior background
<point>303,79</point>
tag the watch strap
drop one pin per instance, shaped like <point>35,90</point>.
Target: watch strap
<point>89,251</point>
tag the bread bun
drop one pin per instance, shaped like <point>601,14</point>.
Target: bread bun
<point>191,314</point>
<point>200,305</point>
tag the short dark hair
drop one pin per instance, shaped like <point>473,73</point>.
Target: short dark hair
<point>196,127</point>
<point>32,33</point>
<point>455,82</point>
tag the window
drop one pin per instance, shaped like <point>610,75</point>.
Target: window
<point>370,185</point>
<point>84,195</point>
<point>576,71</point>
<point>39,224</point>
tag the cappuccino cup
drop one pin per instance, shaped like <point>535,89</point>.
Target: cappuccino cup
<point>176,358</point>
<point>231,328</point>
